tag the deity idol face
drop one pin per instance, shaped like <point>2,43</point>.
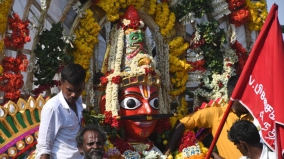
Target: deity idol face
<point>138,100</point>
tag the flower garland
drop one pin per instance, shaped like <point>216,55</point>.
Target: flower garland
<point>181,112</point>
<point>86,38</point>
<point>11,79</point>
<point>153,6</point>
<point>198,7</point>
<point>189,147</point>
<point>242,55</point>
<point>178,65</point>
<point>4,10</point>
<point>209,38</point>
<point>258,14</point>
<point>196,59</point>
<point>162,130</point>
<point>50,54</point>
<point>164,18</point>
<point>217,85</point>
<point>20,32</point>
<point>240,13</point>
<point>112,7</point>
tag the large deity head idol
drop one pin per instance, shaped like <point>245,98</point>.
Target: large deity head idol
<point>131,80</point>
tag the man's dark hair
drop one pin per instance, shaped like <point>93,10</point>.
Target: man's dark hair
<point>244,130</point>
<point>232,82</point>
<point>80,135</point>
<point>73,73</point>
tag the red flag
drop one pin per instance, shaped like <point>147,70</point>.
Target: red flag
<point>261,84</point>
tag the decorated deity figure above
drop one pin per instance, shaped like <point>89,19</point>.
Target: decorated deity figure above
<point>131,83</point>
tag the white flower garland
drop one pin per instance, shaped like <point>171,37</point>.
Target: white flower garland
<point>220,9</point>
<point>187,19</point>
<point>232,29</point>
<point>230,58</point>
<point>119,51</point>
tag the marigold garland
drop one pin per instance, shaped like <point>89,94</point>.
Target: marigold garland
<point>258,14</point>
<point>20,32</point>
<point>86,38</point>
<point>111,7</point>
<point>240,17</point>
<point>181,112</point>
<point>11,79</point>
<point>5,8</point>
<point>153,6</point>
<point>240,13</point>
<point>178,65</point>
<point>164,18</point>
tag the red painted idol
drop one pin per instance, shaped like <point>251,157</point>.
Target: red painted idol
<point>138,100</point>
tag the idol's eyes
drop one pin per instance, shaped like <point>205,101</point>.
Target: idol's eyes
<point>133,103</point>
<point>130,103</point>
<point>154,103</point>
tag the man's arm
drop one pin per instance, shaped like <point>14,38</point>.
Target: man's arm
<point>201,119</point>
<point>175,137</point>
<point>49,126</point>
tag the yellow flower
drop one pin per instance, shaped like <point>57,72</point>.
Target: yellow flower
<point>258,14</point>
<point>1,69</point>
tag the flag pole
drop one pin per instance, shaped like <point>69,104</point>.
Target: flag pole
<point>219,129</point>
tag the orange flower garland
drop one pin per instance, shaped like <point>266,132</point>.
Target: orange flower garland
<point>240,13</point>
<point>11,80</point>
<point>20,32</point>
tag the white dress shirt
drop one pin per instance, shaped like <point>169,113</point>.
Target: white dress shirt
<point>265,154</point>
<point>58,128</point>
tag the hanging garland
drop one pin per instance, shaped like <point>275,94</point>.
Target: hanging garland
<point>164,18</point>
<point>11,79</point>
<point>51,56</point>
<point>153,6</point>
<point>198,7</point>
<point>86,38</point>
<point>258,14</point>
<point>112,7</point>
<point>20,32</point>
<point>208,38</point>
<point>4,8</point>
<point>242,56</point>
<point>240,13</point>
<point>178,65</point>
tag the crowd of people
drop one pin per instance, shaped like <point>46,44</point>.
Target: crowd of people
<point>61,134</point>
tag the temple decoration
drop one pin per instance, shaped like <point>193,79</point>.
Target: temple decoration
<point>178,66</point>
<point>132,100</point>
<point>240,13</point>
<point>258,14</point>
<point>220,9</point>
<point>5,9</point>
<point>19,126</point>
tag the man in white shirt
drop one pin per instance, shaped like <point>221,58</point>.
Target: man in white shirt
<point>61,117</point>
<point>245,136</point>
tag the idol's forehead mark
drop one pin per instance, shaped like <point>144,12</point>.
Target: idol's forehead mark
<point>144,91</point>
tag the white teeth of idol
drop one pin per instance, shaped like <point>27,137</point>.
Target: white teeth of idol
<point>145,122</point>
